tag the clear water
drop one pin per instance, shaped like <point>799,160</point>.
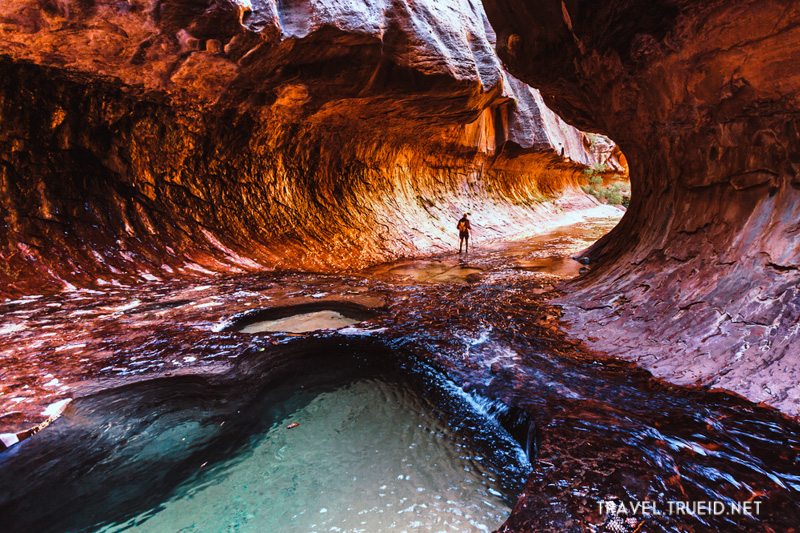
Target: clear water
<point>366,456</point>
<point>302,323</point>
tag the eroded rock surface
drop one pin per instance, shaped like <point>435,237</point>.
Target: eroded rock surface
<point>140,359</point>
<point>700,278</point>
<point>146,140</point>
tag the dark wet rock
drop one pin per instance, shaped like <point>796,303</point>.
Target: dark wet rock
<point>125,333</point>
<point>699,281</point>
<point>597,427</point>
<point>472,278</point>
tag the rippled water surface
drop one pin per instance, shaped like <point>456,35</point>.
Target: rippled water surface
<point>367,456</point>
<point>600,430</point>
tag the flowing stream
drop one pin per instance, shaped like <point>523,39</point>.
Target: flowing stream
<point>461,376</point>
<point>365,456</point>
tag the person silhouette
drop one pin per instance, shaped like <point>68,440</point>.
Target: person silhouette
<point>463,227</point>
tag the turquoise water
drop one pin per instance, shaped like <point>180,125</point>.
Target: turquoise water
<point>366,456</point>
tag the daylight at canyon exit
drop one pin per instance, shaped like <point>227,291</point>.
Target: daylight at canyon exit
<point>399,266</point>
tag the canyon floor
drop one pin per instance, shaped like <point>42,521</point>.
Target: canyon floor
<point>606,430</point>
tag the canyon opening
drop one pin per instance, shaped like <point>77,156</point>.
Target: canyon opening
<point>233,297</point>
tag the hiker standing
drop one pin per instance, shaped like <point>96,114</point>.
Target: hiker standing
<point>463,227</point>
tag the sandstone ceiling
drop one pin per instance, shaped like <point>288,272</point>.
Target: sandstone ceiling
<point>145,140</point>
<point>700,278</point>
<point>150,139</point>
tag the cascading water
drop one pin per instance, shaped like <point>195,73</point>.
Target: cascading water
<point>166,362</point>
<point>346,446</point>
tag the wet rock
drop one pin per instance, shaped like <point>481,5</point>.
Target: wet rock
<point>174,141</point>
<point>213,46</point>
<point>702,98</point>
<point>472,278</point>
<point>302,318</point>
<point>594,427</point>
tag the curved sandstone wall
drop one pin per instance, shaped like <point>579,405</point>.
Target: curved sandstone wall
<point>699,281</point>
<point>153,139</point>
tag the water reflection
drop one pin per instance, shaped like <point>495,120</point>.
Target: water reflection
<point>365,456</point>
<point>607,430</point>
<point>333,440</point>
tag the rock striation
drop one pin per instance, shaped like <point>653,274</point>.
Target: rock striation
<point>152,139</point>
<point>699,281</point>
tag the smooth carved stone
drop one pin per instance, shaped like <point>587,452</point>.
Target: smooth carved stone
<point>178,139</point>
<point>703,98</point>
<point>514,44</point>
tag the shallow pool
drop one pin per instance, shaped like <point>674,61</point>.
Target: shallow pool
<point>367,456</point>
<point>302,323</point>
<point>334,448</point>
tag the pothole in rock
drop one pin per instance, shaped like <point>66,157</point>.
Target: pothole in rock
<point>441,271</point>
<point>319,437</point>
<point>557,266</point>
<point>302,318</point>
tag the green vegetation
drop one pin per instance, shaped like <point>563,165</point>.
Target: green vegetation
<point>616,193</point>
<point>597,168</point>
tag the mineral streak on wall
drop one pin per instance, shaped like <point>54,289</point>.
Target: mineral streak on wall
<point>150,139</point>
<point>699,282</point>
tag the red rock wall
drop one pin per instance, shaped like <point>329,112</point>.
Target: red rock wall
<point>699,281</point>
<point>152,140</point>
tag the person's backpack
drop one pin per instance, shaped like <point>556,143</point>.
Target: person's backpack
<point>462,226</point>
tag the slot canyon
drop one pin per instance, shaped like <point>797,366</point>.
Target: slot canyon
<point>229,240</point>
